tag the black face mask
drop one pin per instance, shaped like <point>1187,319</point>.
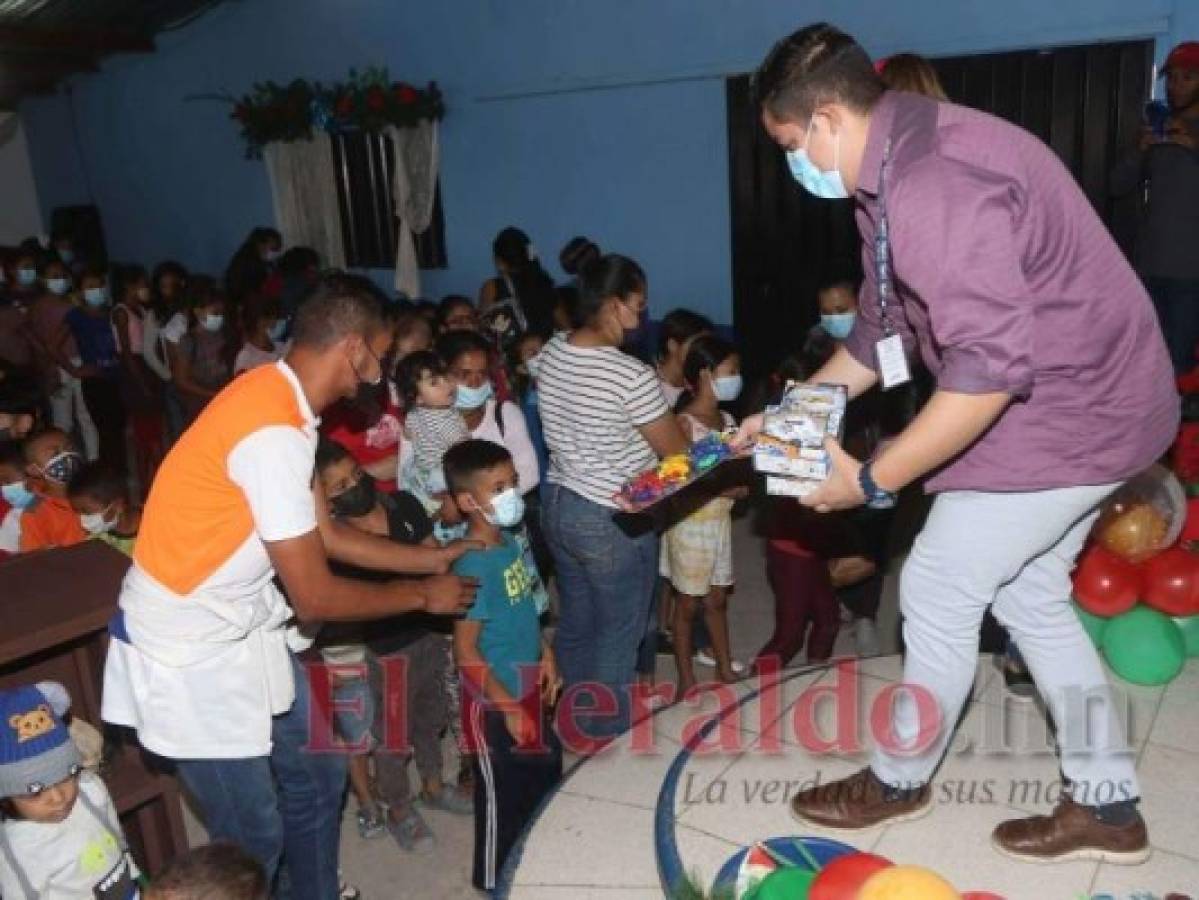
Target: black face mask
<point>367,395</point>
<point>357,501</point>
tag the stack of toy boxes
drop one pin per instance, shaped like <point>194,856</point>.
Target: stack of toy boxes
<point>790,449</point>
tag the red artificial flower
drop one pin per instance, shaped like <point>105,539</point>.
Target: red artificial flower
<point>376,99</point>
<point>345,105</point>
<point>407,94</point>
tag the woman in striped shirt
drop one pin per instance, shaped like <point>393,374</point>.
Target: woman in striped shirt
<point>605,421</point>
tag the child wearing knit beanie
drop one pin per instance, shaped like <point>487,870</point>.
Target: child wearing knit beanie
<point>59,834</point>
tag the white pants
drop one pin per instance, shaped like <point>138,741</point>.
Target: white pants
<point>1013,552</point>
<point>67,410</point>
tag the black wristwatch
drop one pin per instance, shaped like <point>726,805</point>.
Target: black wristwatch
<point>876,497</point>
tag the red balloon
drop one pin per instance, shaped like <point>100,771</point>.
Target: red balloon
<point>1104,584</point>
<point>841,878</point>
<point>1172,583</point>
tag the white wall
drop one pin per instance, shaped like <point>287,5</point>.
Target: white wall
<point>20,213</point>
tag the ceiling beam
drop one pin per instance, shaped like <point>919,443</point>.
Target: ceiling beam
<point>90,41</point>
<point>49,64</point>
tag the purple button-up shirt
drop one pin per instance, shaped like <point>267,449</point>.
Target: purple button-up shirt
<point>1005,280</point>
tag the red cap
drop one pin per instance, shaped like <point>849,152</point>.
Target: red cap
<point>1184,56</point>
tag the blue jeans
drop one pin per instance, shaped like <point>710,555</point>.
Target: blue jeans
<point>1177,304</point>
<point>282,808</point>
<point>351,725</point>
<point>606,581</point>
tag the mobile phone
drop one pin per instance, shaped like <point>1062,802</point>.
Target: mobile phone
<point>1156,114</point>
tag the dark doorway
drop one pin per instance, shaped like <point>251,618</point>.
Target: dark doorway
<point>1084,102</point>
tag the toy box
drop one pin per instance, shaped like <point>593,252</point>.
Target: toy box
<point>781,486</point>
<point>790,449</point>
<point>774,456</point>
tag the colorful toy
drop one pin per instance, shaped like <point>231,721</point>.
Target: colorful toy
<point>677,472</point>
<point>842,878</point>
<point>1144,646</point>
<point>907,883</point>
<point>1104,584</point>
<point>1144,517</point>
<point>710,450</point>
<point>1172,583</point>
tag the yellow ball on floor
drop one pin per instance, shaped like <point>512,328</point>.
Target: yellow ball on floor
<point>907,883</point>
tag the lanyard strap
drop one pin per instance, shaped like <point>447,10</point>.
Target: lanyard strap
<point>882,245</point>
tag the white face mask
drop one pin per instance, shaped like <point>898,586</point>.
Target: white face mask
<point>96,523</point>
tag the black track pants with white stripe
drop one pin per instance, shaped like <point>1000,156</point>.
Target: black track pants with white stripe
<point>509,785</point>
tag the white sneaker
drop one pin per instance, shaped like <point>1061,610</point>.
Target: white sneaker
<point>704,658</point>
<point>865,637</point>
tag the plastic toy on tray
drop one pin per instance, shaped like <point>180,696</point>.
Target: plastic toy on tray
<point>677,472</point>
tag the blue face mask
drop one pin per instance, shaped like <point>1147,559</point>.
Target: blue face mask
<point>472,398</point>
<point>838,325</point>
<point>26,277</point>
<point>96,297</point>
<point>826,185</point>
<point>17,495</point>
<point>727,388</point>
<point>509,509</point>
<point>277,330</point>
<point>58,286</point>
<point>214,322</point>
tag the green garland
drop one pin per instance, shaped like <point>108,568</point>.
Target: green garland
<point>368,101</point>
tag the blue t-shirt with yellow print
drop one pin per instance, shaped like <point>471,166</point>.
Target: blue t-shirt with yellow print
<point>511,634</point>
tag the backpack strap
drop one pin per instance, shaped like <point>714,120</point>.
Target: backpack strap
<point>499,417</point>
<point>101,816</point>
<point>11,860</point>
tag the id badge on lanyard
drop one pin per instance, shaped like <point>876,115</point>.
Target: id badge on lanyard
<point>892,360</point>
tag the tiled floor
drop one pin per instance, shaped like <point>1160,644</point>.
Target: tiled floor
<point>596,839</point>
<point>603,816</point>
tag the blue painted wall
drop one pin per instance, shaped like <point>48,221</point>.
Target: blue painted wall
<point>565,116</point>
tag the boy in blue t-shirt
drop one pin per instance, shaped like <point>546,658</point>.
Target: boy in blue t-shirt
<point>507,670</point>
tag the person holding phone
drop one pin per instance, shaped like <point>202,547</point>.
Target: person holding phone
<point>1166,162</point>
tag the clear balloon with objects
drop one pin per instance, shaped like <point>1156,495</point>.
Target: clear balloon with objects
<point>1144,517</point>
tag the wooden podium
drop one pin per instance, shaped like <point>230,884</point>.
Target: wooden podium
<point>54,611</point>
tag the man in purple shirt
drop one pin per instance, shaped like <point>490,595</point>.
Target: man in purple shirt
<point>1053,387</point>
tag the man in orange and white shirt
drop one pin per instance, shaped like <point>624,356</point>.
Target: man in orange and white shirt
<point>200,664</point>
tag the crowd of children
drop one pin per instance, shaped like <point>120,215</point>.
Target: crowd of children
<point>450,446</point>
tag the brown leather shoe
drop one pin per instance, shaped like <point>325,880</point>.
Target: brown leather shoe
<point>858,802</point>
<point>1072,832</point>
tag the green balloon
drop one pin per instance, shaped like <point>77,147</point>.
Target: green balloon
<point>1144,646</point>
<point>1094,625</point>
<point>1189,626</point>
<point>783,884</point>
